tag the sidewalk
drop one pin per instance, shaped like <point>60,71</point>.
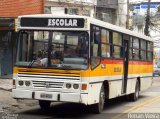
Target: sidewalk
<point>9,103</point>
<point>6,84</point>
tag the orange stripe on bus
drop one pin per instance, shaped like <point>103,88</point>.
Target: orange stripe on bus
<point>110,61</point>
<point>138,67</point>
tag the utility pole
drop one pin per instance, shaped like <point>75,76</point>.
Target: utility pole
<point>95,8</point>
<point>127,22</point>
<point>148,22</point>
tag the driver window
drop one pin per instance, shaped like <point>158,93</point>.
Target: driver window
<point>40,48</point>
<point>95,47</point>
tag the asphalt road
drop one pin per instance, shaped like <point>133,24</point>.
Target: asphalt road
<point>119,108</point>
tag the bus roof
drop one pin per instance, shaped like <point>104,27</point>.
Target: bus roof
<point>91,20</point>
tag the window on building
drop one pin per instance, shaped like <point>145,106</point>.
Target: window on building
<point>72,11</point>
<point>86,12</point>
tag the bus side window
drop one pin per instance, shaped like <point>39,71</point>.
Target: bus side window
<point>130,48</point>
<point>96,35</point>
<point>149,51</point>
<point>117,45</point>
<point>105,46</point>
<point>95,47</point>
<point>136,48</point>
<point>143,53</point>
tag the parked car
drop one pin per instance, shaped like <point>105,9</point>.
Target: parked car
<point>156,71</point>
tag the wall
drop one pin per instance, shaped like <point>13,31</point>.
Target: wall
<point>106,14</point>
<point>108,3</point>
<point>10,9</point>
<point>106,10</point>
<point>5,54</point>
<point>52,7</point>
<point>122,13</point>
<point>14,8</point>
<point>92,2</point>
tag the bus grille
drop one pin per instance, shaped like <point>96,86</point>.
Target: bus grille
<point>47,84</point>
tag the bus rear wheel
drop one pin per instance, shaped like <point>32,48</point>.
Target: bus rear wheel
<point>134,96</point>
<point>98,107</point>
<point>45,105</point>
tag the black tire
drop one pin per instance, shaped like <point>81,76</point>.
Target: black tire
<point>98,107</point>
<point>45,105</point>
<point>134,96</point>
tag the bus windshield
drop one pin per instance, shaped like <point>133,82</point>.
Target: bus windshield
<point>53,49</point>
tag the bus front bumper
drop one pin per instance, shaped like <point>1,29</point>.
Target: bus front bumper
<point>51,96</point>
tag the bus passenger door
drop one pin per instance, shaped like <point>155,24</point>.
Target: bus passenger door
<point>126,62</point>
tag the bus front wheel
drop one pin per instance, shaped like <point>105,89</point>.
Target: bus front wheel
<point>98,107</point>
<point>45,105</point>
<point>134,96</point>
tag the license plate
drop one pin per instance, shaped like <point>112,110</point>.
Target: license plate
<point>48,96</point>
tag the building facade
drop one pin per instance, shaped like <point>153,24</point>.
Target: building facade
<point>112,11</point>
<point>73,7</point>
<point>9,10</point>
<point>106,10</point>
<point>122,13</point>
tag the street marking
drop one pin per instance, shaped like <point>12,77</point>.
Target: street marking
<point>156,100</point>
<point>139,106</point>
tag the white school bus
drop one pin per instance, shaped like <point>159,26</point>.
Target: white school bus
<point>69,58</point>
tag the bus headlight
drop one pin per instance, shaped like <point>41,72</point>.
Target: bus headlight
<point>20,83</point>
<point>68,85</point>
<point>75,86</point>
<point>27,83</point>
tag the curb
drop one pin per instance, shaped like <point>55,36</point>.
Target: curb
<point>6,84</point>
<point>10,90</point>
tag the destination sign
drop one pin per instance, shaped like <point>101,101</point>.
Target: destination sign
<point>53,22</point>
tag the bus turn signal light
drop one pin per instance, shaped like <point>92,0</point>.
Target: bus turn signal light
<point>84,87</point>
